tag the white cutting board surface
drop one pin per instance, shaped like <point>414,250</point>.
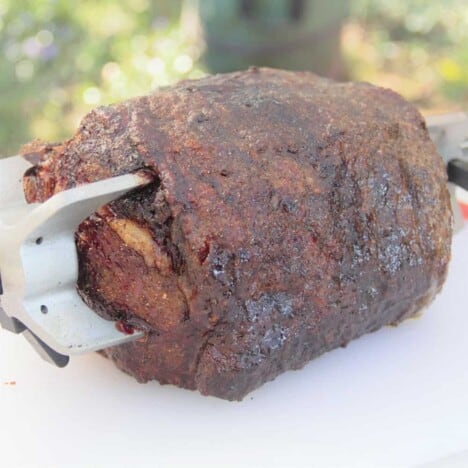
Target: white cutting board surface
<point>398,397</point>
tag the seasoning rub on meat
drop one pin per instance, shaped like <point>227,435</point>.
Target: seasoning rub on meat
<point>288,215</point>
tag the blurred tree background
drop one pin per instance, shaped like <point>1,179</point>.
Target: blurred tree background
<point>59,59</point>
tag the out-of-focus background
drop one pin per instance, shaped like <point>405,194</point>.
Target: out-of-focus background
<point>59,58</point>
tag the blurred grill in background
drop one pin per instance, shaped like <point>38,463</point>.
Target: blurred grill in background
<point>290,34</point>
<point>58,60</point>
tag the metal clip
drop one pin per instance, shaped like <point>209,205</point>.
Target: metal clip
<point>39,265</point>
<point>450,134</point>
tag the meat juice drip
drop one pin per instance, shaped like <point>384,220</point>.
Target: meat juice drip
<point>124,328</point>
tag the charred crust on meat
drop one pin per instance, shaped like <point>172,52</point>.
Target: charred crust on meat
<point>288,215</point>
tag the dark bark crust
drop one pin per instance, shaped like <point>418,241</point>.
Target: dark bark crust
<point>289,215</point>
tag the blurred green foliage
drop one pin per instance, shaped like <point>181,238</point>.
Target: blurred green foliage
<point>419,48</point>
<point>61,58</point>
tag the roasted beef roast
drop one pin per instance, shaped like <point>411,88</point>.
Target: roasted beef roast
<point>288,214</point>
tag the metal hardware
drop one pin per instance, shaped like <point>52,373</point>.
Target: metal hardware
<point>450,134</point>
<point>39,265</point>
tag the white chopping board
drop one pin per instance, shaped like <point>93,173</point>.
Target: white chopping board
<point>397,397</point>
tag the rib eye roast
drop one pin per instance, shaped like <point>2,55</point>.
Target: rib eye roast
<point>288,215</point>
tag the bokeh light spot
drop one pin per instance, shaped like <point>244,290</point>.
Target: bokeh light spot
<point>110,71</point>
<point>92,96</point>
<point>45,37</point>
<point>24,70</point>
<point>155,66</point>
<point>183,63</point>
